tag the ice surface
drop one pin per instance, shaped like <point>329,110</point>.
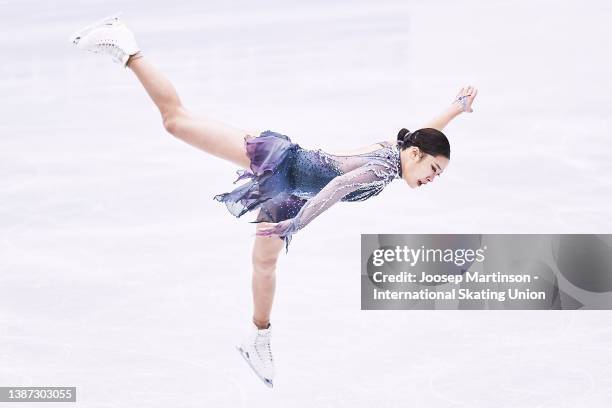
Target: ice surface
<point>120,275</point>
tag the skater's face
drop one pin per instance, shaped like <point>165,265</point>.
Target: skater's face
<point>419,168</point>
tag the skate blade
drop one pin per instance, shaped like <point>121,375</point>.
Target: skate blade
<point>266,381</point>
<point>77,35</point>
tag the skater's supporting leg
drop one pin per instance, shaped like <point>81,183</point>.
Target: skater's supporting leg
<point>214,137</point>
<point>265,256</point>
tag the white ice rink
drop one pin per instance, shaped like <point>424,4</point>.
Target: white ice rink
<point>121,276</point>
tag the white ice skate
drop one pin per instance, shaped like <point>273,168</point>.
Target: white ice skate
<point>255,349</point>
<point>108,36</point>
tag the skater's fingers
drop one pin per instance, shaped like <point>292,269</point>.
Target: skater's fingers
<point>471,99</point>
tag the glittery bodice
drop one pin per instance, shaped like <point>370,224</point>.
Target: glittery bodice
<point>312,170</point>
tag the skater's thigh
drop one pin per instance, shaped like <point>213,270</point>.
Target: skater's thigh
<point>212,136</point>
<point>266,250</point>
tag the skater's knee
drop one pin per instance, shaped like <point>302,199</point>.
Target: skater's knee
<point>265,253</point>
<point>172,119</point>
<point>170,124</point>
<point>265,264</point>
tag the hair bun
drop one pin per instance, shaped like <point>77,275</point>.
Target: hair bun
<point>403,135</point>
<point>405,138</point>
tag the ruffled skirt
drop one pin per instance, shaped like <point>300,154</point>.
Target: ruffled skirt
<point>270,181</point>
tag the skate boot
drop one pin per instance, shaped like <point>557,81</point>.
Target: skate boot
<point>108,36</point>
<point>255,349</point>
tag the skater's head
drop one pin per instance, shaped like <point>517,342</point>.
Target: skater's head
<point>424,153</point>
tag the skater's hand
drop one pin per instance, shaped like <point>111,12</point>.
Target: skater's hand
<point>464,99</point>
<point>275,229</point>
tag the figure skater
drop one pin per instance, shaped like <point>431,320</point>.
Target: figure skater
<point>289,186</point>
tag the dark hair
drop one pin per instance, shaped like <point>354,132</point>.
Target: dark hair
<point>428,140</point>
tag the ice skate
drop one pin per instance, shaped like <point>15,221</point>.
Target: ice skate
<point>108,36</point>
<point>255,350</point>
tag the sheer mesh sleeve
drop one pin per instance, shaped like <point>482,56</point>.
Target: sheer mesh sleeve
<point>356,185</point>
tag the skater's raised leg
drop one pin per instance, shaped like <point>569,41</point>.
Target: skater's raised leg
<point>110,36</point>
<point>212,136</point>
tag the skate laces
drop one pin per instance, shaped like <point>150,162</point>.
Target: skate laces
<point>262,346</point>
<point>109,47</point>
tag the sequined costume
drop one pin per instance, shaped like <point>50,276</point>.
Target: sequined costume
<point>295,185</point>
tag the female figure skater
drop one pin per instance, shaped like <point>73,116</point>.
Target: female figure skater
<point>288,185</point>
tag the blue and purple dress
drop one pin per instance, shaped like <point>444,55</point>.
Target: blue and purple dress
<point>295,185</point>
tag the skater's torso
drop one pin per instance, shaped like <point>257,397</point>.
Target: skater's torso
<point>311,170</point>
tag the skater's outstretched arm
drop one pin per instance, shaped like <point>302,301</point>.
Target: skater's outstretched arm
<point>462,103</point>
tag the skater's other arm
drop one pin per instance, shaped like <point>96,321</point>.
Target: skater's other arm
<point>371,175</point>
